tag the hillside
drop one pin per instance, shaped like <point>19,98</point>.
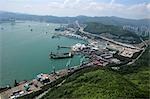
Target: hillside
<point>98,28</point>
<point>93,84</point>
<point>112,32</point>
<point>141,79</point>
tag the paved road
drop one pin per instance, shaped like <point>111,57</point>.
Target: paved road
<point>107,39</point>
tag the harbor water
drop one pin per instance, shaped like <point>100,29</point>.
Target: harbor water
<point>25,48</point>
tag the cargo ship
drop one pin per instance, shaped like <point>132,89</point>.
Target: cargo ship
<point>60,55</point>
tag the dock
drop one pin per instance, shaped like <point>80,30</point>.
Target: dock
<point>34,85</point>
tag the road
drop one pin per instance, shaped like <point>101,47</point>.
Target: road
<point>107,39</point>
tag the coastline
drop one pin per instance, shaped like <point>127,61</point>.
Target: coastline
<point>54,77</point>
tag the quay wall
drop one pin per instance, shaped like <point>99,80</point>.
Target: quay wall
<point>50,85</point>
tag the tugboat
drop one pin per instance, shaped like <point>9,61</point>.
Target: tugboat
<point>60,55</point>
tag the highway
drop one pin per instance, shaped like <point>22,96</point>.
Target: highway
<point>107,39</point>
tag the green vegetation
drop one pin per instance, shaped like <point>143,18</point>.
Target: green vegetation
<point>141,79</point>
<point>139,73</point>
<point>94,27</point>
<point>116,31</point>
<point>94,84</point>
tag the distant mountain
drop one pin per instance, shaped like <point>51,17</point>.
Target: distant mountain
<point>82,19</point>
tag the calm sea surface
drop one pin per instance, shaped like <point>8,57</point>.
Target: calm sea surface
<point>24,53</point>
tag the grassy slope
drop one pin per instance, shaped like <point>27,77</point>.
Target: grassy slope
<point>95,84</point>
<point>141,79</point>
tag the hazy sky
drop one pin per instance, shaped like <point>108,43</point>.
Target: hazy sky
<point>121,8</point>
